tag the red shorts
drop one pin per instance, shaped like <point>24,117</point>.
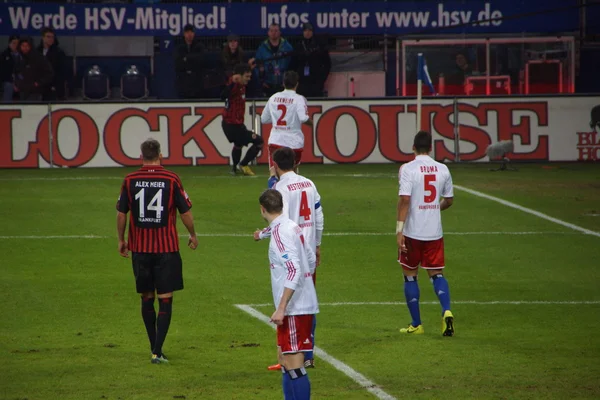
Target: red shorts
<point>427,253</point>
<point>295,335</point>
<point>273,147</point>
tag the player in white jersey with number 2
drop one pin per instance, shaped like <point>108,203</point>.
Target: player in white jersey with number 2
<point>286,111</point>
<point>294,295</point>
<point>423,182</point>
<point>301,204</point>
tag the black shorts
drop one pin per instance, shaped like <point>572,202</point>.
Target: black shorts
<point>160,272</point>
<point>237,134</point>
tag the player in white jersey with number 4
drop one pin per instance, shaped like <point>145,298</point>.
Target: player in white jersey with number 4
<point>301,204</point>
<point>423,182</point>
<point>286,111</point>
<point>294,294</point>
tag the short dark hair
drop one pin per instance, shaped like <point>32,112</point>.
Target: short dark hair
<point>47,29</point>
<point>274,24</point>
<point>272,201</point>
<point>12,37</point>
<point>188,28</point>
<point>241,69</point>
<point>285,158</point>
<point>290,79</point>
<point>150,149</point>
<point>422,142</point>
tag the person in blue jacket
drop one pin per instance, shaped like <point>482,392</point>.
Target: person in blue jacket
<point>273,60</point>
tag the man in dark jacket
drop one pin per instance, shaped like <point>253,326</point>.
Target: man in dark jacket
<point>189,66</point>
<point>32,73</point>
<point>312,63</point>
<point>8,59</point>
<point>50,49</point>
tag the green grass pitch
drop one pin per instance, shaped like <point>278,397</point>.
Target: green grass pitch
<point>70,326</point>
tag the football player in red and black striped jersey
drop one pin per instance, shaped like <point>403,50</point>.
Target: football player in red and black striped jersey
<point>236,132</point>
<point>152,196</point>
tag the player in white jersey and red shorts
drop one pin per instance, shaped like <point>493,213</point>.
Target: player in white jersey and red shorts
<point>286,111</point>
<point>294,296</point>
<point>301,204</point>
<point>423,182</point>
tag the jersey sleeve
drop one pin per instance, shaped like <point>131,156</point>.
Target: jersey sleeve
<point>287,247</point>
<point>302,109</point>
<point>227,90</point>
<point>319,217</point>
<point>182,200</point>
<point>265,117</point>
<point>405,182</point>
<point>123,200</point>
<point>448,189</point>
<point>265,233</point>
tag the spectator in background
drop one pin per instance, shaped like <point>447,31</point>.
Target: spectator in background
<point>461,70</point>
<point>8,60</point>
<point>189,66</point>
<point>233,55</point>
<point>50,49</point>
<point>312,63</point>
<point>32,72</point>
<point>273,59</point>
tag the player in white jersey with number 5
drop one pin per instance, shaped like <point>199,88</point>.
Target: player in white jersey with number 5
<point>294,294</point>
<point>301,204</point>
<point>423,182</point>
<point>286,111</point>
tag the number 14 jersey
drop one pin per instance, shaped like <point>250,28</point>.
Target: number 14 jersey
<point>152,196</point>
<point>425,181</point>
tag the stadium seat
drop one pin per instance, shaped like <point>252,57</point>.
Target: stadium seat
<point>134,85</point>
<point>95,85</point>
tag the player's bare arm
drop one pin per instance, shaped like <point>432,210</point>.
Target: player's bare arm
<point>121,225</point>
<point>188,220</point>
<point>403,206</point>
<point>309,122</point>
<point>279,314</point>
<point>446,203</point>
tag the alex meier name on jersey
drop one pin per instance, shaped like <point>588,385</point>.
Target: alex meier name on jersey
<point>299,186</point>
<point>153,184</point>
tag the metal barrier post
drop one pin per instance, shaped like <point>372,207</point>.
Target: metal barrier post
<point>456,132</point>
<point>255,125</point>
<point>397,66</point>
<point>50,136</point>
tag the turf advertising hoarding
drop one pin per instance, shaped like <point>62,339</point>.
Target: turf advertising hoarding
<point>345,131</point>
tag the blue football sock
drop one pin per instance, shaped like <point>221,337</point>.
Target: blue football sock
<point>309,355</point>
<point>286,383</point>
<point>412,294</point>
<point>300,384</point>
<point>440,286</point>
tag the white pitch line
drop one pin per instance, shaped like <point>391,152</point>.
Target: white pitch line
<point>356,376</point>
<point>187,177</point>
<point>248,235</point>
<point>528,211</point>
<point>463,302</point>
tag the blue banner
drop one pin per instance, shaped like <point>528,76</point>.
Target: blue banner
<point>360,18</point>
